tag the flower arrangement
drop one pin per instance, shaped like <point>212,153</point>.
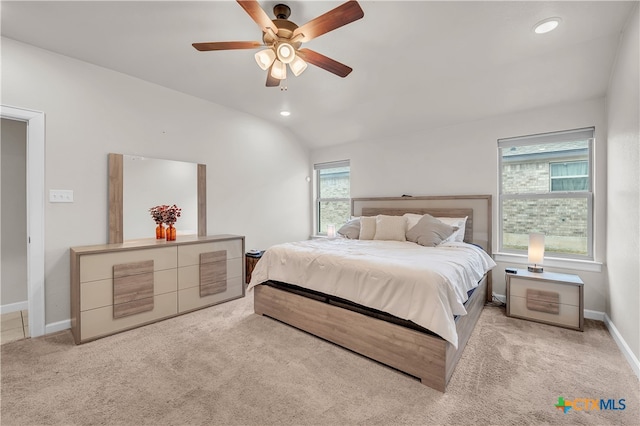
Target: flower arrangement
<point>156,214</point>
<point>170,214</point>
<point>165,214</point>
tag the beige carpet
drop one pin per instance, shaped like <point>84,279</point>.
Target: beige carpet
<point>226,365</point>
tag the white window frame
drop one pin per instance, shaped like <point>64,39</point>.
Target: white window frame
<point>562,136</point>
<point>316,170</point>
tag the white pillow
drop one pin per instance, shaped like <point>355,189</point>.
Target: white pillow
<point>412,219</point>
<point>391,228</point>
<point>460,222</point>
<point>367,227</point>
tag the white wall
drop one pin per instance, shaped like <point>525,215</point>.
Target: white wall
<point>463,159</point>
<point>623,204</point>
<point>255,171</point>
<point>13,280</point>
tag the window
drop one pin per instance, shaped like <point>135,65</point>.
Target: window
<point>569,176</point>
<point>333,202</point>
<point>546,186</point>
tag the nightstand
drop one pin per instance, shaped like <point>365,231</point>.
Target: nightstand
<point>547,297</point>
<point>250,260</point>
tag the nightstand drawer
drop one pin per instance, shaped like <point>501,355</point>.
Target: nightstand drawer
<point>567,294</point>
<point>559,314</point>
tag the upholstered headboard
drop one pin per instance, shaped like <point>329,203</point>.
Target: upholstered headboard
<point>476,207</point>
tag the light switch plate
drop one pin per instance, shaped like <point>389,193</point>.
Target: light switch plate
<point>61,195</point>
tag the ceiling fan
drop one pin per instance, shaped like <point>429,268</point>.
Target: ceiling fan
<point>283,39</point>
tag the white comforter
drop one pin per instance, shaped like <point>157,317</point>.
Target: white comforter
<point>427,285</point>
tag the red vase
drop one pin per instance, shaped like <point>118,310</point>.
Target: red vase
<point>160,231</point>
<point>171,233</point>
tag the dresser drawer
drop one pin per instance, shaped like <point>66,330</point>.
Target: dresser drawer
<point>95,267</point>
<point>567,294</point>
<point>189,276</point>
<point>100,322</point>
<point>190,254</point>
<point>567,315</point>
<point>189,298</point>
<point>97,294</point>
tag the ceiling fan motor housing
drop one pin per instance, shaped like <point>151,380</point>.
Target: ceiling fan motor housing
<point>285,29</point>
<point>282,11</point>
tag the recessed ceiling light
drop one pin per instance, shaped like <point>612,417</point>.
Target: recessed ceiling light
<point>285,113</point>
<point>546,25</point>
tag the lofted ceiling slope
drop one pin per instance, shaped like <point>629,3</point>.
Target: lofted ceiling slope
<point>417,64</point>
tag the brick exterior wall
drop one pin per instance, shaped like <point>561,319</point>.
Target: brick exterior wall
<point>563,220</point>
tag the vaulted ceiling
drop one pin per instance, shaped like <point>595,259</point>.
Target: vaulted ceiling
<point>417,64</point>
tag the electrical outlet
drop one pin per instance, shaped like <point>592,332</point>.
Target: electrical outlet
<point>61,196</point>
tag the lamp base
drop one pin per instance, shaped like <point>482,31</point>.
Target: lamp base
<point>537,269</point>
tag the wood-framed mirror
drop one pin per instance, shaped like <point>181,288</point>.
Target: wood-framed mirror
<point>117,173</point>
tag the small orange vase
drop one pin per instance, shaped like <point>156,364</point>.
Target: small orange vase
<point>171,233</point>
<point>160,231</point>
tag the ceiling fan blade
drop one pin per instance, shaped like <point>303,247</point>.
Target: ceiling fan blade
<point>227,45</point>
<point>252,7</point>
<point>335,18</point>
<point>272,81</point>
<point>324,62</point>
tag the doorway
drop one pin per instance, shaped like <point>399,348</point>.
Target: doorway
<point>35,157</point>
<point>13,280</point>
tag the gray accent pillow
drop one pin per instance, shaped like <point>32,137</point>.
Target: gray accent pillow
<point>429,231</point>
<point>351,229</point>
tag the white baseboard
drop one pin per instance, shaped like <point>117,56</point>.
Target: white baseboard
<point>501,297</point>
<point>57,326</point>
<point>23,306</point>
<point>14,307</point>
<point>622,345</point>
<point>594,315</point>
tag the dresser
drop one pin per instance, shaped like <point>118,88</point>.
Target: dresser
<point>117,287</point>
<point>547,297</point>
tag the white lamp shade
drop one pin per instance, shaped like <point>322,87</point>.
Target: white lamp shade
<point>297,66</point>
<point>279,70</point>
<point>265,58</point>
<point>536,249</point>
<point>286,53</point>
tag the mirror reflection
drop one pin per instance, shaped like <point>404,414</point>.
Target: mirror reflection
<point>148,182</point>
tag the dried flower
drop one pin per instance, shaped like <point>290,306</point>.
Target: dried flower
<point>170,214</point>
<point>165,214</point>
<point>156,214</point>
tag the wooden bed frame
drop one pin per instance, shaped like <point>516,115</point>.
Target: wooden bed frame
<point>425,356</point>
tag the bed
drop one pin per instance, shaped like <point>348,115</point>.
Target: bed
<point>396,333</point>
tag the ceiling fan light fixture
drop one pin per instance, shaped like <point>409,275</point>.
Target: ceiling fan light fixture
<point>279,70</point>
<point>297,66</point>
<point>265,58</point>
<point>286,53</point>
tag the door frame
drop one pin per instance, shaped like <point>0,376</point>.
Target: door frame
<point>35,212</point>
